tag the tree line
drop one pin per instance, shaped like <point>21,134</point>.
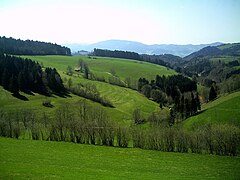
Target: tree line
<point>87,124</point>
<point>88,91</point>
<point>18,74</point>
<point>131,55</point>
<point>29,47</point>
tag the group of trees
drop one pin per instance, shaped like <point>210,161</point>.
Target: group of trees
<point>155,59</point>
<point>28,47</point>
<point>116,54</point>
<point>172,86</point>
<point>177,90</point>
<point>89,91</point>
<point>17,74</point>
<point>185,106</point>
<point>86,124</point>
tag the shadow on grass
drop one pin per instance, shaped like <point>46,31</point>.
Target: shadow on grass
<point>200,112</point>
<point>21,97</point>
<point>64,94</point>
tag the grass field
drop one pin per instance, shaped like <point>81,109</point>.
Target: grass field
<point>28,159</point>
<point>102,66</point>
<point>225,109</point>
<point>125,100</point>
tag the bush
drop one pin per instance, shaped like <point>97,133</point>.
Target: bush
<point>47,103</point>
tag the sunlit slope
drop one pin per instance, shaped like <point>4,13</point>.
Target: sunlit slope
<point>124,100</point>
<point>225,109</point>
<point>27,159</point>
<point>102,66</point>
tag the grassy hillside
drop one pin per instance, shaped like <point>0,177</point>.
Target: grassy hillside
<point>102,66</point>
<point>124,100</point>
<point>26,159</point>
<point>223,110</point>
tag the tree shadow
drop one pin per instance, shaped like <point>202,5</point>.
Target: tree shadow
<point>64,94</point>
<point>29,92</point>
<point>21,97</point>
<point>200,112</point>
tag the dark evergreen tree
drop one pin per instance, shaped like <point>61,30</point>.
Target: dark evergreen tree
<point>193,104</point>
<point>212,94</point>
<point>5,78</point>
<point>182,107</point>
<point>198,102</point>
<point>13,85</point>
<point>188,108</point>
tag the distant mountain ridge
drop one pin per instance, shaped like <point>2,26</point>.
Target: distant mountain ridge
<point>231,49</point>
<point>133,46</point>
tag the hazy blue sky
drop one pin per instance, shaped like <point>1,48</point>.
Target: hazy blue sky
<point>147,21</point>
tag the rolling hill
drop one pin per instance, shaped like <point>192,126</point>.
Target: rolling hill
<point>102,66</point>
<point>211,51</point>
<point>125,100</point>
<point>224,110</point>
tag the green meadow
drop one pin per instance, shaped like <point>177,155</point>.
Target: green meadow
<point>223,110</point>
<point>28,159</point>
<point>102,66</point>
<point>125,100</point>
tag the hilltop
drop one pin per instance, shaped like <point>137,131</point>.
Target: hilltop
<point>158,49</point>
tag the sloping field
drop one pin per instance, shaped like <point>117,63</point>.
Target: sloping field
<point>102,66</point>
<point>28,159</point>
<point>225,109</point>
<point>125,101</point>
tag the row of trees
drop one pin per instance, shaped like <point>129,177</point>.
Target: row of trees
<point>28,47</point>
<point>89,91</point>
<point>17,74</point>
<point>212,139</point>
<point>155,59</point>
<point>116,54</point>
<point>185,106</point>
<point>85,124</point>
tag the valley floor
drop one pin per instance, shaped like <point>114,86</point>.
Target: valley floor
<point>28,159</point>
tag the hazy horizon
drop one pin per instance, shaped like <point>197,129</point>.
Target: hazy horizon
<point>149,22</point>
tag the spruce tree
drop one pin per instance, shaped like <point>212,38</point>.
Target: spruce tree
<point>193,105</point>
<point>13,85</point>
<point>212,94</point>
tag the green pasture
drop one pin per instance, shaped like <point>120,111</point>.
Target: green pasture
<point>28,159</point>
<point>225,109</point>
<point>102,66</point>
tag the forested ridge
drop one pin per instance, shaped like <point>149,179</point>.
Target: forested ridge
<point>29,47</point>
<point>132,55</point>
<point>18,74</point>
